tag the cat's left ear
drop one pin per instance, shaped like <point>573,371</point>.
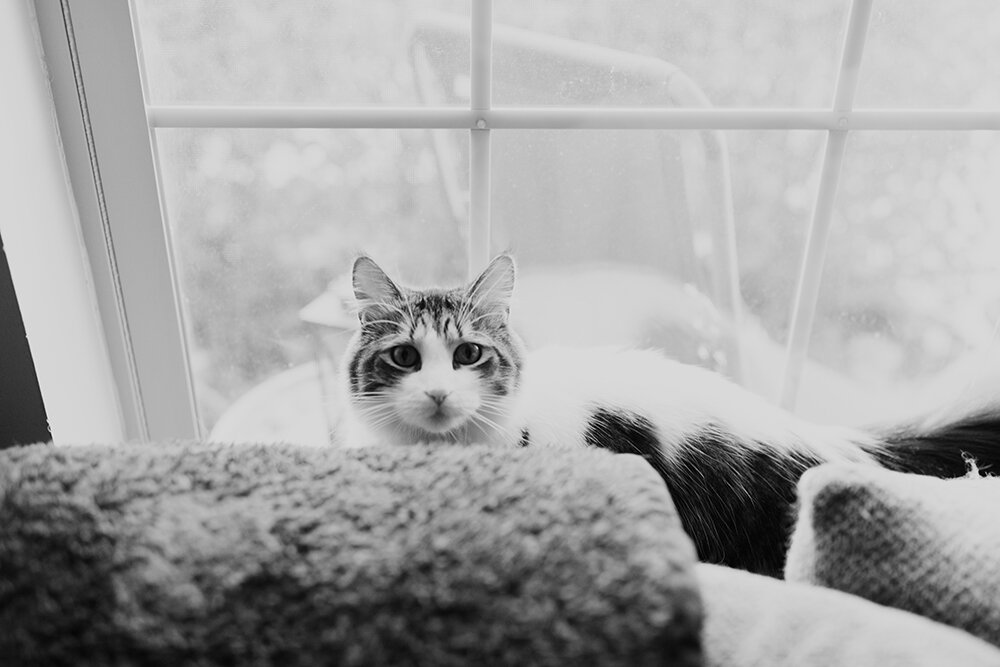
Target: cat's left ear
<point>374,291</point>
<point>492,290</point>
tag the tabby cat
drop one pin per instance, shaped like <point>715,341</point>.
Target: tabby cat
<point>443,365</point>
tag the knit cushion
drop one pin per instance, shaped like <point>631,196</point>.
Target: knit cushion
<point>918,543</point>
<point>757,621</point>
<point>222,555</point>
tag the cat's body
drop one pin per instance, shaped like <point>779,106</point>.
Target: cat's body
<point>443,366</point>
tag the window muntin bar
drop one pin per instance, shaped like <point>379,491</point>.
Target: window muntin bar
<point>480,139</point>
<point>807,292</point>
<point>553,118</point>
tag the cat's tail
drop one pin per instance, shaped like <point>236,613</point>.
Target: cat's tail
<point>946,445</point>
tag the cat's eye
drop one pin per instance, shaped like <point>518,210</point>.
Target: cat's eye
<point>404,356</point>
<point>468,353</point>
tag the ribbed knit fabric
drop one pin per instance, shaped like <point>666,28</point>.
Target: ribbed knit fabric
<point>918,543</point>
<point>187,553</point>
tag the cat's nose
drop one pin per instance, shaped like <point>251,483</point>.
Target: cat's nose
<point>437,396</point>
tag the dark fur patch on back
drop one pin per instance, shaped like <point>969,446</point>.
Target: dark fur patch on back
<point>736,500</point>
<point>624,432</point>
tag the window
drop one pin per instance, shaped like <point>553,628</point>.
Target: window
<point>798,195</point>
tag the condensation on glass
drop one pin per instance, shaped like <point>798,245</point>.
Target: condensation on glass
<point>932,54</point>
<point>306,52</point>
<point>623,52</point>
<point>910,303</point>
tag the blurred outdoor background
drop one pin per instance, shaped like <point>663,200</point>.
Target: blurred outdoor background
<point>621,235</point>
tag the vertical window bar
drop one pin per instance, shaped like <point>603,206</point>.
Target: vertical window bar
<point>190,404</point>
<point>807,290</point>
<point>479,141</point>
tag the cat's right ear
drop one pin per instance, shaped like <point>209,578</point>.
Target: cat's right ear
<point>492,290</point>
<point>374,291</point>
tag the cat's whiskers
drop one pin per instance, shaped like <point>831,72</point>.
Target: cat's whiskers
<point>498,405</point>
<point>394,323</point>
<point>369,394</point>
<point>483,316</point>
<point>488,428</point>
<point>378,421</point>
<point>383,305</point>
<point>461,319</point>
<point>480,417</point>
<point>471,323</point>
<point>409,312</point>
<point>471,305</point>
<point>368,400</point>
<point>376,411</point>
<point>495,400</point>
<point>488,425</point>
<point>493,413</point>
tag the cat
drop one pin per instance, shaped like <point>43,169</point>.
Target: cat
<point>444,366</point>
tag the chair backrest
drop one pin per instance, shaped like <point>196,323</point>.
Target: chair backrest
<point>654,199</point>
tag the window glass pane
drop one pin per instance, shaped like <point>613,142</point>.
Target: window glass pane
<point>265,225</point>
<point>774,176</point>
<point>622,239</point>
<point>335,52</point>
<point>686,241</point>
<point>625,52</point>
<point>910,298</point>
<point>935,54</point>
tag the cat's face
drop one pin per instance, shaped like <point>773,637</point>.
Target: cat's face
<point>434,364</point>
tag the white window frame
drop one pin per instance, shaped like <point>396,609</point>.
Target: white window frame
<point>92,54</point>
<point>94,73</point>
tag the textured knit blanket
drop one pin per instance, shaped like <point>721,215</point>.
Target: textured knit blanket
<point>926,545</point>
<point>757,621</point>
<point>187,553</point>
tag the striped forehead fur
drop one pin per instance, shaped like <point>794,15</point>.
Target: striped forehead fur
<point>448,314</point>
<point>436,310</point>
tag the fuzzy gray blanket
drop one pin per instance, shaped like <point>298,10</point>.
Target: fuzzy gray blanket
<point>188,553</point>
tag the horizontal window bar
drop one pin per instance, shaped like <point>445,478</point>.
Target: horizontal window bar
<point>582,118</point>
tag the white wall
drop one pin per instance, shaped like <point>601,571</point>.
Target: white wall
<point>41,234</point>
